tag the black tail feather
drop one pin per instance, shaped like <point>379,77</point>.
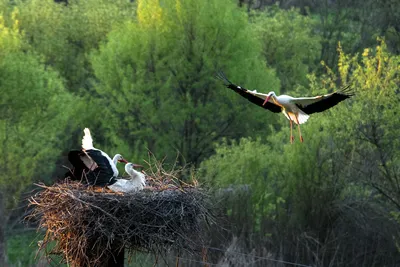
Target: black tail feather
<point>221,75</point>
<point>346,90</point>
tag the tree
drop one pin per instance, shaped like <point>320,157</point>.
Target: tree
<point>156,78</point>
<point>373,126</point>
<point>343,178</point>
<point>290,44</point>
<point>65,34</point>
<point>242,169</point>
<point>35,110</point>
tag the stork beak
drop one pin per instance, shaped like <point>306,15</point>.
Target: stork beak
<point>266,100</point>
<point>123,160</point>
<point>137,165</point>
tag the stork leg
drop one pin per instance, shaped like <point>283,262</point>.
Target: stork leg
<point>291,132</point>
<point>301,137</point>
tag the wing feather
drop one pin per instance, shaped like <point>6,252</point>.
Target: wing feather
<point>311,105</point>
<point>83,165</point>
<point>80,159</point>
<point>251,96</point>
<point>88,161</point>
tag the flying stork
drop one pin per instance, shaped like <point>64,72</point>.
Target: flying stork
<point>136,182</point>
<point>296,109</point>
<point>93,165</point>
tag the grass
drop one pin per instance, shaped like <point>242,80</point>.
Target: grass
<point>22,248</point>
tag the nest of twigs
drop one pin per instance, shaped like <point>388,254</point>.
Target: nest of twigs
<point>88,225</point>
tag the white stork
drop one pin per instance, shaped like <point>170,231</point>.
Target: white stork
<point>93,163</point>
<point>136,182</point>
<point>296,109</point>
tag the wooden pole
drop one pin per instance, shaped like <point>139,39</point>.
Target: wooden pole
<point>117,260</point>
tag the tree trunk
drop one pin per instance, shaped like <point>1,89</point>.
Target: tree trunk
<point>2,230</point>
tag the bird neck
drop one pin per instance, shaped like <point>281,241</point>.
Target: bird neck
<point>134,174</point>
<point>115,159</point>
<point>131,172</point>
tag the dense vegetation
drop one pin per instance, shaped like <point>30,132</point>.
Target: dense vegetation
<point>141,75</point>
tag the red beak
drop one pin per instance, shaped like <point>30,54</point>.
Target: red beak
<point>137,165</point>
<point>266,100</point>
<point>123,160</point>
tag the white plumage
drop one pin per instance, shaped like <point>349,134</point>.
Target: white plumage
<point>87,140</point>
<point>295,109</point>
<point>93,165</point>
<point>290,110</point>
<point>87,144</point>
<point>136,182</point>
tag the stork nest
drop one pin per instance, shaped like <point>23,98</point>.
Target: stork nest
<point>87,225</point>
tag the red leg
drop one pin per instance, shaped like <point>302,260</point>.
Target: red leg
<point>301,137</point>
<point>291,132</point>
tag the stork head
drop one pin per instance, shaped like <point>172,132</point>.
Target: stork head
<point>138,179</point>
<point>119,158</point>
<point>131,165</point>
<point>130,168</point>
<point>272,93</point>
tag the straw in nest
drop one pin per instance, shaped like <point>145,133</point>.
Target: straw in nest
<point>90,226</point>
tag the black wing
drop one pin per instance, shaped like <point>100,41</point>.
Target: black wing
<point>246,94</point>
<point>322,103</point>
<point>81,169</point>
<point>90,167</point>
<point>104,169</point>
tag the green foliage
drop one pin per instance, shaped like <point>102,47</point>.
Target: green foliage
<point>237,163</point>
<point>245,167</point>
<point>9,37</point>
<point>22,249</point>
<point>372,130</point>
<point>92,20</point>
<point>350,153</point>
<point>34,110</point>
<point>280,175</point>
<point>338,23</point>
<point>156,78</point>
<point>144,73</point>
<point>66,34</point>
<point>290,44</point>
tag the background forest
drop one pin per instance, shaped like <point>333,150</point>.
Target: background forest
<point>140,75</point>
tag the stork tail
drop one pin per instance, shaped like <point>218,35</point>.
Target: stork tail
<point>87,141</point>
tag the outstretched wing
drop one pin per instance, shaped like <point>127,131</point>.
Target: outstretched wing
<point>315,104</point>
<point>254,97</point>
